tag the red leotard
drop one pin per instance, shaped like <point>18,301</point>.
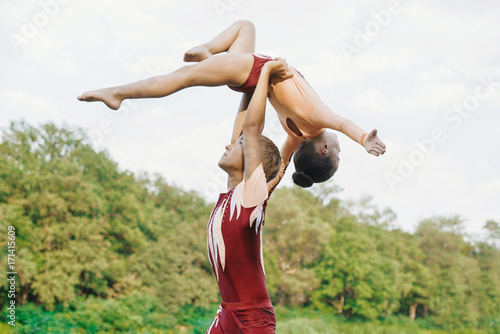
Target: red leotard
<point>253,77</point>
<point>235,254</point>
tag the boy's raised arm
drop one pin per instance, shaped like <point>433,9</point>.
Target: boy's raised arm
<point>253,124</point>
<point>240,116</point>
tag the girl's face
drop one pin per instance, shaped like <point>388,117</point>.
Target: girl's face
<point>232,159</point>
<point>331,145</point>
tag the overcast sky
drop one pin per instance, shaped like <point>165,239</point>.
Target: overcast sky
<point>426,74</point>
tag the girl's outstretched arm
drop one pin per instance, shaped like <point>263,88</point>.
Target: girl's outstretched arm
<point>370,141</point>
<point>289,147</point>
<point>373,144</point>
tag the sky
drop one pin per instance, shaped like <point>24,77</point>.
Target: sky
<point>426,74</point>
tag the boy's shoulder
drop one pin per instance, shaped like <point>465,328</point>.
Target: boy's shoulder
<point>253,191</point>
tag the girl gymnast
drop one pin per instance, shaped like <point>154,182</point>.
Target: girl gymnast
<point>234,231</point>
<point>301,112</point>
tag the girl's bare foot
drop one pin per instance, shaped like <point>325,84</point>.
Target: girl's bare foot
<point>197,54</point>
<point>107,95</point>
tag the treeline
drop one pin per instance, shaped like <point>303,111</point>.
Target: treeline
<point>123,250</point>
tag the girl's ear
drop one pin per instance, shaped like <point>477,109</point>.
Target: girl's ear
<point>324,148</point>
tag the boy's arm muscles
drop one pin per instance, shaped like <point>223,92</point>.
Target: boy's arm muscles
<point>238,121</point>
<point>252,152</point>
<point>240,116</point>
<point>254,119</point>
<point>253,123</point>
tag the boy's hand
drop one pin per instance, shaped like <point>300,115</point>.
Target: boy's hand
<point>373,144</point>
<point>278,69</point>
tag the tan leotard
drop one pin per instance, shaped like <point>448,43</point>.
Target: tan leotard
<point>294,99</point>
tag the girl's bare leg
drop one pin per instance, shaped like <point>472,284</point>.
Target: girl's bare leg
<point>237,38</point>
<point>228,69</point>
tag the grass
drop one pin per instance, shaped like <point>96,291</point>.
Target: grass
<point>305,321</point>
<point>195,320</point>
<point>5,328</point>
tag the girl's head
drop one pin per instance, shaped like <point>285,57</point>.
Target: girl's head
<point>233,159</point>
<point>316,159</point>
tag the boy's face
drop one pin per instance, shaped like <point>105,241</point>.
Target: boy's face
<point>232,159</point>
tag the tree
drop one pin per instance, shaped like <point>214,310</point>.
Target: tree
<point>85,228</point>
<point>356,279</point>
<point>453,299</point>
<point>296,226</point>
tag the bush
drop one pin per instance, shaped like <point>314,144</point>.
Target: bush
<point>127,314</point>
<point>198,317</point>
<point>34,319</point>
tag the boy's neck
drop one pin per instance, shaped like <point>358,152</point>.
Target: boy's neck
<point>234,178</point>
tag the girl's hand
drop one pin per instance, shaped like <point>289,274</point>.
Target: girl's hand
<point>278,68</point>
<point>373,144</point>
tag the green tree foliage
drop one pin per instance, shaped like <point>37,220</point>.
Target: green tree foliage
<point>454,291</point>
<point>85,228</point>
<point>357,279</point>
<point>489,262</point>
<point>103,250</point>
<point>296,226</point>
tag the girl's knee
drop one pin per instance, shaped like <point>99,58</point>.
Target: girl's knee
<point>245,24</point>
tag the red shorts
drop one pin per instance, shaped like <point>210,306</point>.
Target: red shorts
<point>255,317</point>
<point>253,77</point>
